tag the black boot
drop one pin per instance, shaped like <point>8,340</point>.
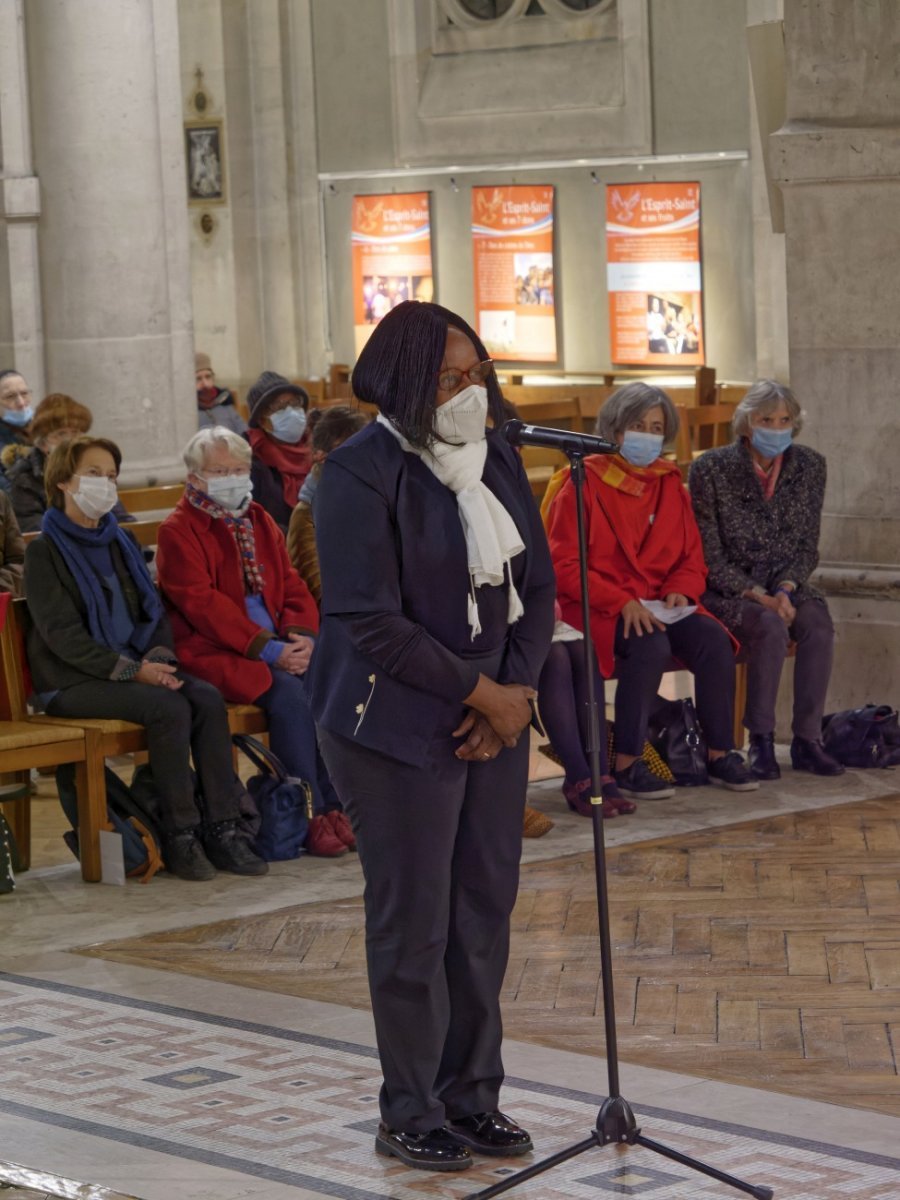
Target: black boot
<point>228,850</point>
<point>183,856</point>
<point>761,756</point>
<point>807,755</point>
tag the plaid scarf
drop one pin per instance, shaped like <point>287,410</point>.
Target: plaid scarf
<point>242,530</point>
<point>614,471</point>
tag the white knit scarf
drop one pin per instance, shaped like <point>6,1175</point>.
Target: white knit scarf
<point>492,538</point>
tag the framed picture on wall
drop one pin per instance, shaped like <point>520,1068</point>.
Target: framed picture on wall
<point>203,147</point>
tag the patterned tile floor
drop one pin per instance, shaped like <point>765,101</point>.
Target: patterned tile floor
<point>297,1109</point>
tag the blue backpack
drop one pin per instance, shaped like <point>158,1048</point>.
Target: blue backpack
<point>132,812</point>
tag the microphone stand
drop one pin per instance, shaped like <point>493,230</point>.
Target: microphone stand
<point>616,1123</point>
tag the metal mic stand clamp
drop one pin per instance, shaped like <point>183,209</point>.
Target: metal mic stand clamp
<point>615,1121</point>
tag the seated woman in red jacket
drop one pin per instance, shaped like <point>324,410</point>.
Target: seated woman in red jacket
<point>643,545</point>
<point>241,616</point>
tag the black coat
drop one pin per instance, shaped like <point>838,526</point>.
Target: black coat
<point>393,662</point>
<point>749,540</point>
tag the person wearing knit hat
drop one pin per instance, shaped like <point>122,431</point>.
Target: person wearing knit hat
<point>58,418</point>
<point>215,405</point>
<point>280,440</point>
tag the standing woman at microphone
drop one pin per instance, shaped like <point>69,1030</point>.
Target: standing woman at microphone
<point>437,612</point>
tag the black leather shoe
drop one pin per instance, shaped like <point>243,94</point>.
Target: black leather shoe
<point>761,756</point>
<point>807,755</point>
<point>491,1133</point>
<point>436,1150</point>
<point>183,856</point>
<point>228,850</point>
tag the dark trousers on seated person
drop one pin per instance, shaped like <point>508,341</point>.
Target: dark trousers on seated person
<point>190,721</point>
<point>764,637</point>
<point>439,847</point>
<point>292,736</point>
<point>704,647</point>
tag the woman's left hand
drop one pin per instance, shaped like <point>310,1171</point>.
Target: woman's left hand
<point>482,742</point>
<point>676,600</point>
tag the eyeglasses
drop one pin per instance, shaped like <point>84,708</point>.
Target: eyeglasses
<point>450,379</point>
<point>225,473</point>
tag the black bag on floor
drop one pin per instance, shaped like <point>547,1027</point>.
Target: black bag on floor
<point>675,734</point>
<point>284,804</point>
<point>132,812</point>
<point>863,737</point>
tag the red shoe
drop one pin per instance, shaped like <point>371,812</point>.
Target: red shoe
<point>578,798</point>
<point>340,823</point>
<point>609,790</point>
<point>322,841</point>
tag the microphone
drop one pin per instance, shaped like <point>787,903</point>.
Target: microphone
<point>517,433</point>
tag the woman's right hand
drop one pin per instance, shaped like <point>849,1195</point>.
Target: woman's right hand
<point>641,620</point>
<point>506,705</point>
<point>158,674</point>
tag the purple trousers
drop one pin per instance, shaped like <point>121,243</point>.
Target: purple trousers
<point>765,637</point>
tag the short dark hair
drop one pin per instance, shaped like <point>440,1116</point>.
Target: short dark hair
<point>335,425</point>
<point>398,367</point>
<point>64,461</point>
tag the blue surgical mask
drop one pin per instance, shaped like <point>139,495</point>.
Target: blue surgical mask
<point>771,442</point>
<point>289,424</point>
<point>641,449</point>
<point>18,416</point>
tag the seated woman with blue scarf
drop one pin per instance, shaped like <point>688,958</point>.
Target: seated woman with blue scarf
<point>101,646</point>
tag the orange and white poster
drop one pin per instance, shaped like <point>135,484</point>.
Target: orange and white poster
<point>512,236</point>
<point>653,274</point>
<point>391,238</point>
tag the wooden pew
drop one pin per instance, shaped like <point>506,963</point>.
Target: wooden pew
<point>151,499</point>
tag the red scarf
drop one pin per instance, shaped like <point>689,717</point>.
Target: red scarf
<point>768,479</point>
<point>292,463</point>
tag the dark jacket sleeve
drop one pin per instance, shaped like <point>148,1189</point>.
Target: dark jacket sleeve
<point>58,620</point>
<point>358,556</point>
<point>529,639</point>
<point>12,557</point>
<point>723,576</point>
<point>805,557</point>
<point>27,494</point>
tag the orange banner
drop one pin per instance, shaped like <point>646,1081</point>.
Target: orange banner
<point>512,236</point>
<point>391,237</point>
<point>653,274</point>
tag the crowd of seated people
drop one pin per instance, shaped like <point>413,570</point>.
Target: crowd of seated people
<point>233,615</point>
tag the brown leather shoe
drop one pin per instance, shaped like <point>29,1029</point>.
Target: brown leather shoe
<point>535,823</point>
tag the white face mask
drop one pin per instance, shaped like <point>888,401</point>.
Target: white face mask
<point>463,418</point>
<point>95,496</point>
<point>289,424</point>
<point>233,492</point>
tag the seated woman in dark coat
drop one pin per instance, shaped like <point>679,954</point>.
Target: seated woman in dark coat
<point>758,503</point>
<point>643,545</point>
<point>281,444</point>
<point>101,646</point>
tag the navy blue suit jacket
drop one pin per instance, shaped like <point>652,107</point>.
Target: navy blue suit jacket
<point>393,661</point>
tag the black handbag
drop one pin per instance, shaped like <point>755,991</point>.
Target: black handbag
<point>863,737</point>
<point>675,734</point>
<point>284,804</point>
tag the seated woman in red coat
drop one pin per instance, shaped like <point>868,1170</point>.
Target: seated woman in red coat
<point>242,617</point>
<point>643,545</point>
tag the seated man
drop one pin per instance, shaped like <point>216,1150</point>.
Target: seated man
<point>15,414</point>
<point>242,617</point>
<point>215,405</point>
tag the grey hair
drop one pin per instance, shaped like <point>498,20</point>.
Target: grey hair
<point>629,404</point>
<point>214,435</point>
<point>762,398</point>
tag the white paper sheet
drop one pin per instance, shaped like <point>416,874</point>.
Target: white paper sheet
<point>668,616</point>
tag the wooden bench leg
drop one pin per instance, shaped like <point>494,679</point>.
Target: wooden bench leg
<point>18,814</point>
<point>90,782</point>
<point>740,703</point>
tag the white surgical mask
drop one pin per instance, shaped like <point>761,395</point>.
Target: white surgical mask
<point>233,492</point>
<point>95,495</point>
<point>641,449</point>
<point>463,418</point>
<point>289,424</point>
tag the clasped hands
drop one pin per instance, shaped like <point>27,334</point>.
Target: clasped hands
<point>497,713</point>
<point>639,619</point>
<point>296,654</point>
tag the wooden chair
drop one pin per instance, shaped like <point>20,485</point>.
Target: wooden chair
<point>549,405</point>
<point>151,499</point>
<point>146,533</point>
<point>339,387</point>
<point>699,424</point>
<point>316,389</point>
<point>101,738</point>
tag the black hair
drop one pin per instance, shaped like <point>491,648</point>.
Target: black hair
<point>398,367</point>
<point>335,425</point>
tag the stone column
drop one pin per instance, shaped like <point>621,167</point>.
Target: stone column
<point>837,161</point>
<point>106,116</point>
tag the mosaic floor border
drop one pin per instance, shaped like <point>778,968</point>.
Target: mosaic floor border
<point>223,1091</point>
